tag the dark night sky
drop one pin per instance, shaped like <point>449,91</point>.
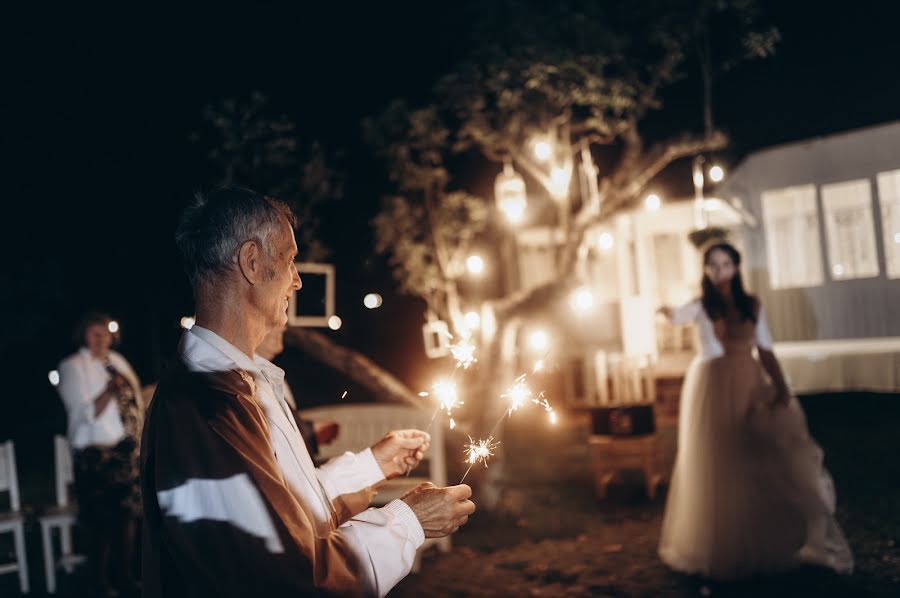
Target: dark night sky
<point>98,103</point>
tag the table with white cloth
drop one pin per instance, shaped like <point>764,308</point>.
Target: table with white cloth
<point>841,365</point>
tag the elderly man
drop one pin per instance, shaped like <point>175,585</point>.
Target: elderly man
<point>233,504</point>
<point>315,434</point>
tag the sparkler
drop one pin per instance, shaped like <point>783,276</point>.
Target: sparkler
<point>478,451</point>
<point>517,394</point>
<point>464,353</point>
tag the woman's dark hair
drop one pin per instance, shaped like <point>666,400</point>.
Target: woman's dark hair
<point>92,318</point>
<point>712,300</point>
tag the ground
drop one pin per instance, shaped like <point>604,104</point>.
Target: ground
<point>552,537</point>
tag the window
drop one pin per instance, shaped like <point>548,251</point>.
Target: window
<point>792,237</point>
<point>889,198</point>
<point>850,228</point>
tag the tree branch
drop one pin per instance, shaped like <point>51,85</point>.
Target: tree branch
<point>660,156</point>
<point>355,366</point>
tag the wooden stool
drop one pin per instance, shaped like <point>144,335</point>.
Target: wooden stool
<point>615,453</point>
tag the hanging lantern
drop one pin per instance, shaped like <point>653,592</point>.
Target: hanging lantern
<point>509,193</point>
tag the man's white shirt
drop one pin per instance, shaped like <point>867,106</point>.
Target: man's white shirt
<point>385,540</point>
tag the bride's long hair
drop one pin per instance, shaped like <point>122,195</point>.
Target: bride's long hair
<point>713,302</point>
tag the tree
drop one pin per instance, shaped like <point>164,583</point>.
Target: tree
<point>583,77</point>
<point>250,147</point>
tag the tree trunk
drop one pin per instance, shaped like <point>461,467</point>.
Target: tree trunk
<point>356,366</point>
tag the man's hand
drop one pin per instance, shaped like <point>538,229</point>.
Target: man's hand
<point>400,451</point>
<point>441,511</point>
<point>325,431</point>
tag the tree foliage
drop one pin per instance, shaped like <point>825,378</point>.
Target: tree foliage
<point>582,75</point>
<point>251,146</point>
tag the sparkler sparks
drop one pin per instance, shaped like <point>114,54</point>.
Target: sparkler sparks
<point>464,353</point>
<point>446,394</point>
<point>517,394</point>
<point>479,451</point>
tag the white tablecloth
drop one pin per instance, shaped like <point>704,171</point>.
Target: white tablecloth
<point>839,365</point>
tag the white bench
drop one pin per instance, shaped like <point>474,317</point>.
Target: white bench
<point>362,425</point>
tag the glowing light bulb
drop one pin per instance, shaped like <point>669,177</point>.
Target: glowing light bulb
<point>605,242</point>
<point>542,150</point>
<point>187,322</point>
<point>335,323</point>
<point>582,300</point>
<point>372,300</point>
<point>475,264</point>
<point>716,174</point>
<point>538,341</point>
<point>652,202</point>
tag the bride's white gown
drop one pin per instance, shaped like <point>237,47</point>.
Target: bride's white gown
<point>749,493</point>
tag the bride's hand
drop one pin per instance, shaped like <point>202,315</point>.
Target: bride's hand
<point>782,397</point>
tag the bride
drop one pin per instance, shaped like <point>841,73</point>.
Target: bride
<point>749,493</point>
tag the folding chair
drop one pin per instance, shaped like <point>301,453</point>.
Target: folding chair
<point>13,520</point>
<point>62,517</point>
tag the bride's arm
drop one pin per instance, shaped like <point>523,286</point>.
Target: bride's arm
<point>768,360</point>
<point>681,315</point>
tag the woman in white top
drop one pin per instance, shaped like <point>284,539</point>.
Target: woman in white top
<point>749,493</point>
<point>106,413</point>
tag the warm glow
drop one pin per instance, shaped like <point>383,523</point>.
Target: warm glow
<point>538,366</point>
<point>53,377</point>
<point>582,300</point>
<point>510,194</point>
<point>513,209</point>
<point>475,264</point>
<point>187,322</point>
<point>472,320</point>
<point>553,418</point>
<point>559,181</point>
<point>113,327</point>
<point>538,341</point>
<point>335,323</point>
<point>698,178</point>
<point>652,202</point>
<point>372,300</point>
<point>716,174</point>
<point>464,353</point>
<point>517,395</point>
<point>605,242</point>
<point>542,150</point>
<point>446,394</point>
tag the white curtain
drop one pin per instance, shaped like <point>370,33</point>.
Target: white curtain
<point>792,237</point>
<point>889,198</point>
<point>850,227</point>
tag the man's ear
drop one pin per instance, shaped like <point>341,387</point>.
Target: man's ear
<point>250,261</point>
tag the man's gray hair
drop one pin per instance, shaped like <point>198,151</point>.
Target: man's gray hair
<point>214,226</point>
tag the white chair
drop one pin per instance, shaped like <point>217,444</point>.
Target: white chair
<point>62,517</point>
<point>362,425</point>
<point>13,520</point>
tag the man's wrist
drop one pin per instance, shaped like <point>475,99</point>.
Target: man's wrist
<point>403,515</point>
